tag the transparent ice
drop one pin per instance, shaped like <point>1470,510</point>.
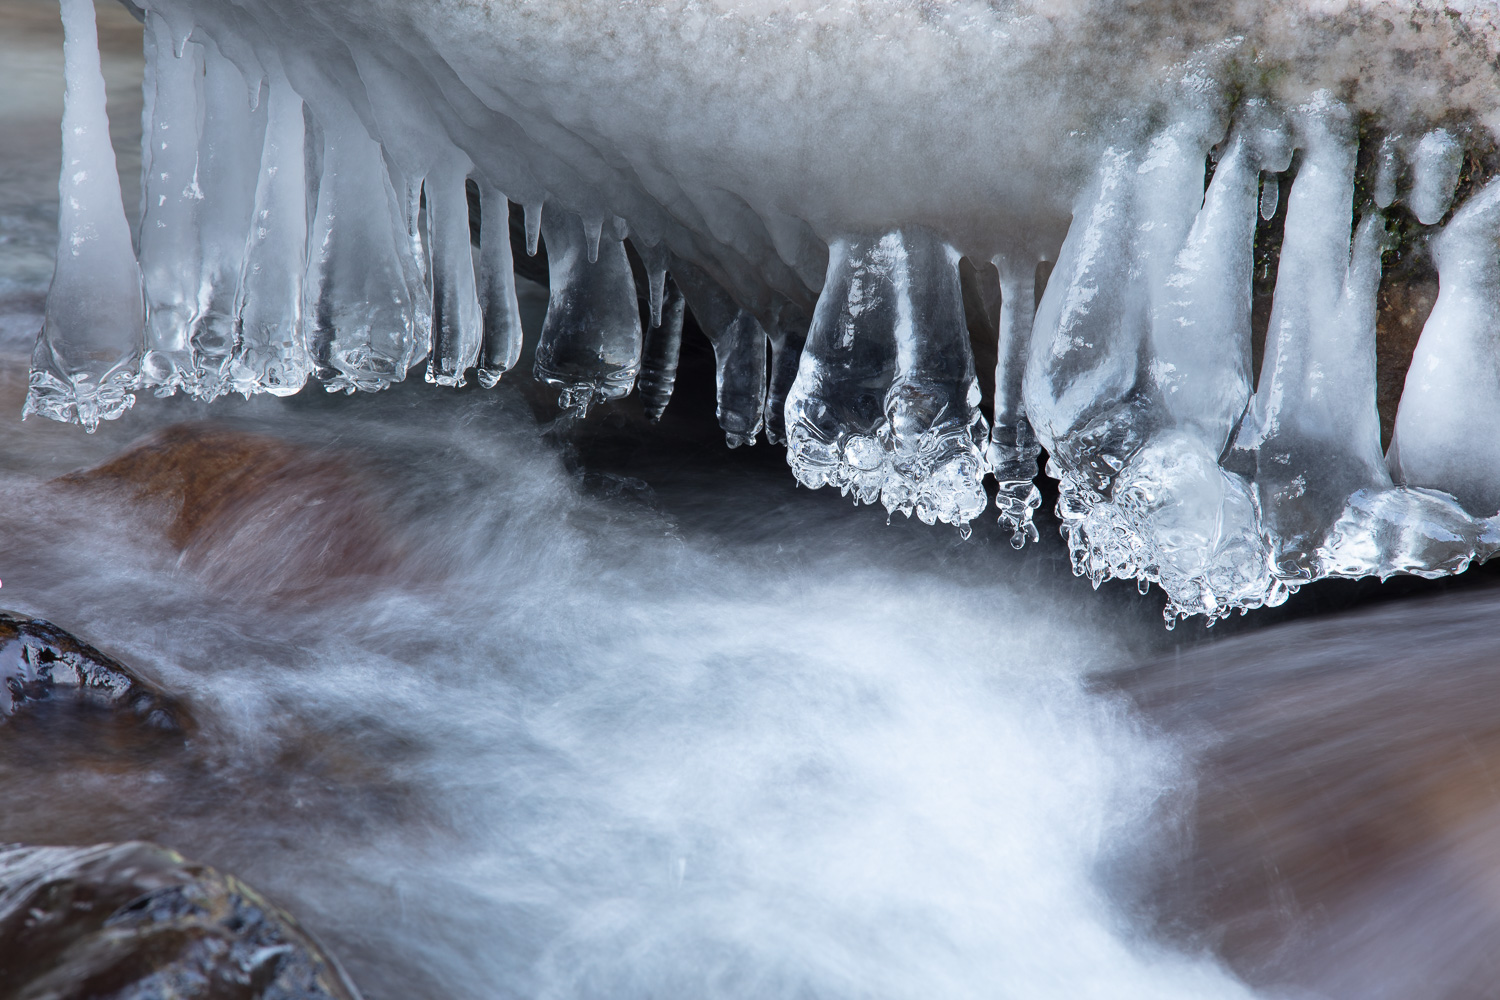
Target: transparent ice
<point>590,344</point>
<point>85,363</point>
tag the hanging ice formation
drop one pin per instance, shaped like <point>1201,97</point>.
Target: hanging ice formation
<point>310,172</point>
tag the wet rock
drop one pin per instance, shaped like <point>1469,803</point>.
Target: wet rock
<point>138,921</point>
<point>1343,836</point>
<point>42,664</point>
<point>250,513</point>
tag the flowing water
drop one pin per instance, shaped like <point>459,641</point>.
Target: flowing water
<point>501,707</point>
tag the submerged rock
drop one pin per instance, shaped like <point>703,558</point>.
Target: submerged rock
<point>1342,837</point>
<point>39,662</point>
<point>140,921</point>
<point>249,512</point>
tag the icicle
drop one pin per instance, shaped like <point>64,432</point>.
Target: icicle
<point>1308,458</point>
<point>497,281</point>
<point>361,318</point>
<point>228,157</point>
<point>1387,169</point>
<point>1447,433</point>
<point>655,258</point>
<point>1196,524</point>
<point>592,229</point>
<point>1435,169</point>
<point>1083,384</point>
<point>787,335</point>
<point>835,412</point>
<point>590,344</point>
<point>457,324</point>
<point>1200,330</point>
<point>84,365</point>
<point>659,355</point>
<point>169,238</point>
<point>270,353</point>
<point>1327,500</point>
<point>739,344</point>
<point>1270,196</point>
<point>532,211</point>
<point>1092,375</point>
<point>935,431</point>
<point>1013,448</point>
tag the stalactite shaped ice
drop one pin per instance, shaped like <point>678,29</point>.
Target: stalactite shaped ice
<point>835,412</point>
<point>739,344</point>
<point>1309,423</point>
<point>1385,529</point>
<point>1328,505</point>
<point>662,347</point>
<point>270,352</point>
<point>1435,167</point>
<point>787,335</point>
<point>590,344</point>
<point>1092,377</point>
<point>1013,448</point>
<point>1082,364</point>
<point>229,155</point>
<point>172,200</point>
<point>1447,434</point>
<point>934,430</point>
<point>1387,171</point>
<point>361,320</point>
<point>1142,493</point>
<point>457,320</point>
<point>85,362</point>
<point>501,348</point>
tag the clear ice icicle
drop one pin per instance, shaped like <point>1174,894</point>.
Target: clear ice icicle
<point>169,236</point>
<point>835,412</point>
<point>739,344</point>
<point>1387,170</point>
<point>1447,434</point>
<point>270,352</point>
<point>787,336</point>
<point>84,364</point>
<point>228,157</point>
<point>1312,448</point>
<point>1084,388</point>
<point>935,432</point>
<point>1434,174</point>
<point>501,347</point>
<point>1013,449</point>
<point>1328,505</point>
<point>662,347</point>
<point>590,344</point>
<point>360,314</point>
<point>1195,525</point>
<point>457,322</point>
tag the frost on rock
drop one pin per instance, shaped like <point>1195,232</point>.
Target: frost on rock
<point>307,220</point>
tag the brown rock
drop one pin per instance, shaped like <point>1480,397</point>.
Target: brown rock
<point>251,513</point>
<point>1344,833</point>
<point>135,920</point>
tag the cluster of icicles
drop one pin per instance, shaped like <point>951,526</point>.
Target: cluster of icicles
<point>280,242</point>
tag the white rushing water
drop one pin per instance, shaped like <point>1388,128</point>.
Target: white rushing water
<point>584,740</point>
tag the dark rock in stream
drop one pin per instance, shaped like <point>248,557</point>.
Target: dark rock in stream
<point>40,663</point>
<point>138,921</point>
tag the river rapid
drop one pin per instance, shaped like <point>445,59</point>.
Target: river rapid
<point>503,706</point>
